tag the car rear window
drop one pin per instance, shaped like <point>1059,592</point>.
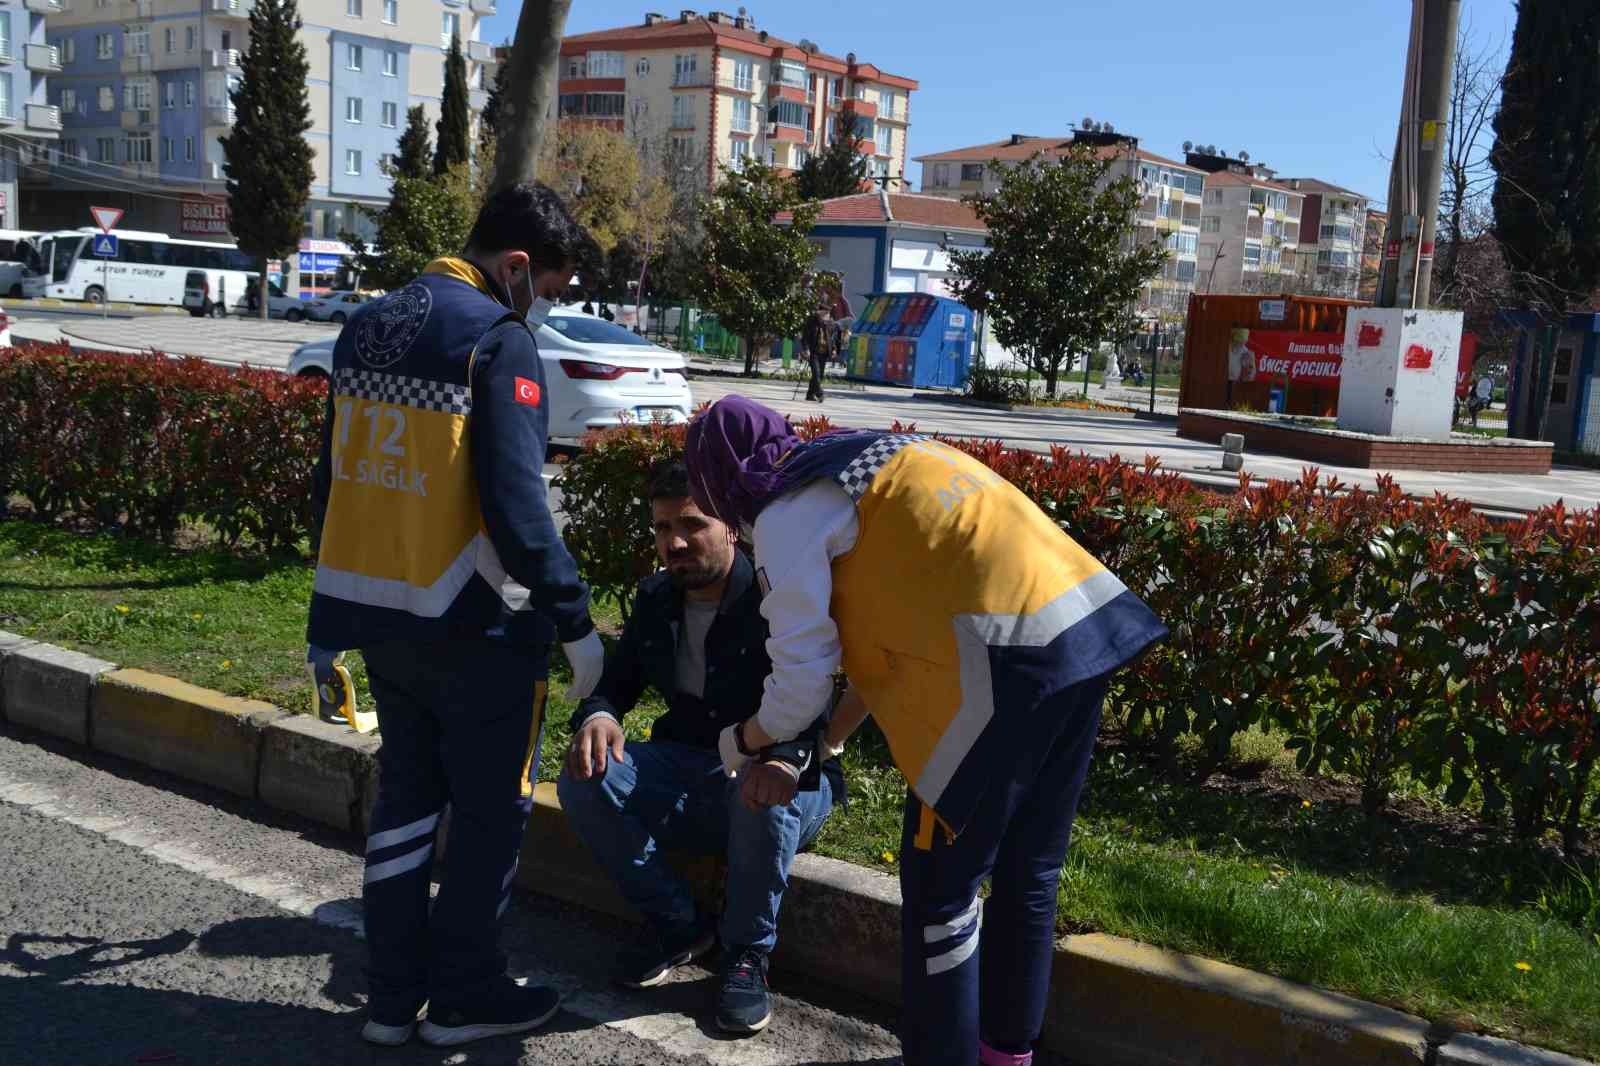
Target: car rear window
<point>586,330</point>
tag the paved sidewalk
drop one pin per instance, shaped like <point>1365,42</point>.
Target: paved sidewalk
<point>231,341</point>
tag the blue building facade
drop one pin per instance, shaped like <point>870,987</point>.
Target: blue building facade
<point>27,122</point>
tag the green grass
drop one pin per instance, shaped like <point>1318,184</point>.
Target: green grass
<point>1424,910</point>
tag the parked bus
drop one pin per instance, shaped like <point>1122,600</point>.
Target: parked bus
<point>149,268</point>
<point>17,254</point>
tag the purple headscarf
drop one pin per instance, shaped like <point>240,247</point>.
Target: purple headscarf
<point>732,451</point>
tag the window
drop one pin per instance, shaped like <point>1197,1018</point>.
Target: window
<point>391,11</point>
<point>886,102</point>
<point>1194,184</point>
<point>604,64</point>
<point>138,145</point>
<point>790,72</point>
<point>880,167</point>
<point>1213,196</point>
<point>1185,270</point>
<point>188,149</point>
<point>1252,255</point>
<point>169,40</point>
<point>884,137</point>
<point>70,150</point>
<point>69,99</point>
<point>1563,367</point>
<point>682,149</point>
<point>166,149</point>
<point>1211,224</point>
<point>108,99</point>
<point>1343,232</point>
<point>352,57</point>
<point>105,150</point>
<point>835,91</point>
<point>169,95</point>
<point>741,114</point>
<point>682,118</point>
<point>606,105</point>
<point>642,68</point>
<point>352,109</point>
<point>1326,232</point>
<point>772,155</point>
<point>188,95</point>
<point>450,29</point>
<point>136,42</point>
<point>789,113</point>
<point>1182,243</point>
<point>575,67</point>
<point>136,95</point>
<point>391,64</point>
<point>104,48</point>
<point>352,161</point>
<point>5,95</point>
<point>801,157</point>
<point>1339,259</point>
<point>1208,252</point>
<point>69,50</point>
<point>391,113</point>
<point>941,175</point>
<point>740,153</point>
<point>352,8</point>
<point>971,172</point>
<point>744,73</point>
<point>684,68</point>
<point>571,104</point>
<point>188,38</point>
<point>1164,208</point>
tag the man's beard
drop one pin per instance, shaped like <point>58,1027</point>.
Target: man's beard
<point>689,575</point>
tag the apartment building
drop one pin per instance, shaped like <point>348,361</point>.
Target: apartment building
<point>1170,195</point>
<point>1250,227</point>
<point>143,95</point>
<point>28,124</point>
<point>715,90</point>
<point>1377,228</point>
<point>1333,229</point>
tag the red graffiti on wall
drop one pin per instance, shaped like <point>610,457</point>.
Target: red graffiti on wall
<point>1371,335</point>
<point>1418,358</point>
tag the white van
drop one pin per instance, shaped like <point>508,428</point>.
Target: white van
<point>18,254</point>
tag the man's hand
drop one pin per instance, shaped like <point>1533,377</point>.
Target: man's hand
<point>597,738</point>
<point>768,784</point>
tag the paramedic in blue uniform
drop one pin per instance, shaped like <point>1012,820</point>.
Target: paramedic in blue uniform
<point>440,561</point>
<point>980,637</point>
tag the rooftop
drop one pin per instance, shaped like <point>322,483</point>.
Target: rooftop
<point>1316,185</point>
<point>1018,147</point>
<point>1229,178</point>
<point>909,209</point>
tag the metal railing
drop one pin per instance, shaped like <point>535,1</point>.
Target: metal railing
<point>42,116</point>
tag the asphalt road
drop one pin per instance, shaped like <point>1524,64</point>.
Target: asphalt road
<point>150,921</point>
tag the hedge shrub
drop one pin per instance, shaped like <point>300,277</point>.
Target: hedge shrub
<point>1381,634</point>
<point>149,444</point>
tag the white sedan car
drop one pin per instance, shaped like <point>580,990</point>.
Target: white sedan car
<point>598,373</point>
<point>335,307</point>
<point>5,329</point>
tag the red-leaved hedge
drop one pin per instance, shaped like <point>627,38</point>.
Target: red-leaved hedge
<point>149,443</point>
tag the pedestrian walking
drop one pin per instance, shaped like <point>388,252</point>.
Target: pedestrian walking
<point>981,638</point>
<point>815,337</point>
<point>440,561</point>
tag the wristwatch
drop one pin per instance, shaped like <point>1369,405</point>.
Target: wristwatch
<point>738,740</point>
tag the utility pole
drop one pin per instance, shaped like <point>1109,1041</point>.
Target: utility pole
<point>1406,276</point>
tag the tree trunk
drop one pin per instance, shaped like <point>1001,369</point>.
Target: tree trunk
<point>530,90</point>
<point>749,357</point>
<point>262,290</point>
<point>1051,369</point>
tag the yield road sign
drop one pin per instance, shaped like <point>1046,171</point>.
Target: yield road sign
<point>106,218</point>
<point>105,246</point>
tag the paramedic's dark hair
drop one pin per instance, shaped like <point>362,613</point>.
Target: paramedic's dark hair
<point>669,480</point>
<point>528,217</point>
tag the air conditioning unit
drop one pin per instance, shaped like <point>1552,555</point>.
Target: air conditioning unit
<point>772,129</point>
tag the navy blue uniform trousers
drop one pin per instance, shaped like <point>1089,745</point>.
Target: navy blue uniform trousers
<point>461,723</point>
<point>982,967</point>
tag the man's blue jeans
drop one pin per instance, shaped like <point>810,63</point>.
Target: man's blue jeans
<point>667,795</point>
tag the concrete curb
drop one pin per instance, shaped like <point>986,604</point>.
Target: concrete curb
<point>1114,1002</point>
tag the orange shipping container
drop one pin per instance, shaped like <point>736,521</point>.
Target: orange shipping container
<point>1209,334</point>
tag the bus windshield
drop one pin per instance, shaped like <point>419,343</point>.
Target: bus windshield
<point>66,253</point>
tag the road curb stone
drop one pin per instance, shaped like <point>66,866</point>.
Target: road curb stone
<point>50,689</point>
<point>1113,1002</point>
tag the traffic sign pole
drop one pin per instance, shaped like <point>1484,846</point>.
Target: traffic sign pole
<point>106,218</point>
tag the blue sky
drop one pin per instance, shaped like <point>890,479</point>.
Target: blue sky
<point>1308,87</point>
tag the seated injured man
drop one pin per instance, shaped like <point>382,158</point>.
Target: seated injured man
<point>697,637</point>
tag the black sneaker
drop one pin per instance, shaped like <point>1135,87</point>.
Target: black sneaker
<point>653,961</point>
<point>744,1005</point>
<point>509,1007</point>
<point>389,1025</point>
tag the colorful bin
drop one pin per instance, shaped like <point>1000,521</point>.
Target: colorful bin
<point>912,338</point>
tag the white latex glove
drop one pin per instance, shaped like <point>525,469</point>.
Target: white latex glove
<point>728,747</point>
<point>587,656</point>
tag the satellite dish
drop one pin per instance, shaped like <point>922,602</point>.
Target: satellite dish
<point>1244,156</point>
<point>1188,146</point>
<point>1087,123</point>
<point>743,10</point>
<point>1108,128</point>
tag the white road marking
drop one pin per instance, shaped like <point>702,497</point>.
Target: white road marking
<point>632,1014</point>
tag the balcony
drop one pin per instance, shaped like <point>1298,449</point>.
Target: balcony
<point>742,125</point>
<point>44,7</point>
<point>219,114</point>
<point>480,52</point>
<point>44,58</point>
<point>42,117</point>
<point>735,83</point>
<point>138,64</point>
<point>900,115</point>
<point>481,7</point>
<point>236,9</point>
<point>213,172</point>
<point>222,59</point>
<point>137,118</point>
<point>478,99</point>
<point>690,79</point>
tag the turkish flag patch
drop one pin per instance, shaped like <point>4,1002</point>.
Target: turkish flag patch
<point>528,392</point>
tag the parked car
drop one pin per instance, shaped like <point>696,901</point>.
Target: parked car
<point>598,373</point>
<point>335,307</point>
<point>5,329</point>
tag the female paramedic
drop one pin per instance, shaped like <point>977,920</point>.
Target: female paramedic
<point>981,638</point>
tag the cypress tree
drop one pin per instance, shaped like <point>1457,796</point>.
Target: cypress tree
<point>1547,154</point>
<point>837,170</point>
<point>266,156</point>
<point>416,148</point>
<point>455,118</point>
<point>489,118</point>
